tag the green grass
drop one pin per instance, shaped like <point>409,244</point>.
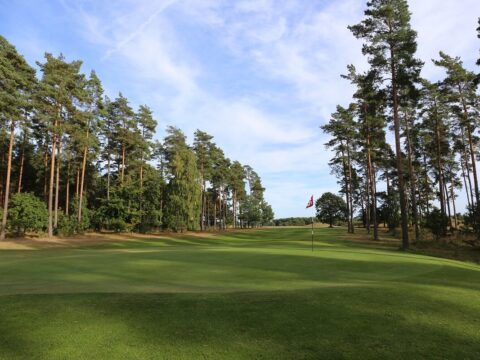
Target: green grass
<point>247,295</point>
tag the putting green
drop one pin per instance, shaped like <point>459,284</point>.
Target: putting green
<point>247,295</point>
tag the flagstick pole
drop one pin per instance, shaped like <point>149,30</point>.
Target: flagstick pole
<point>312,233</point>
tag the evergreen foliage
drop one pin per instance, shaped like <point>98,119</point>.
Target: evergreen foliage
<point>95,164</point>
<point>435,127</point>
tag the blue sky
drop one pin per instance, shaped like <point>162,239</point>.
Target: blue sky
<point>261,76</point>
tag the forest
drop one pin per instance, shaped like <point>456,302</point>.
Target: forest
<point>414,180</point>
<point>73,159</point>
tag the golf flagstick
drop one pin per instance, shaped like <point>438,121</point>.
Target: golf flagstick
<point>309,205</point>
<point>312,233</point>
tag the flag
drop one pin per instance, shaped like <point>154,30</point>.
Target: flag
<point>310,202</point>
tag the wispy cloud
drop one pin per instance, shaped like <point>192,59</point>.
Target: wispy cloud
<point>140,29</point>
<point>259,75</point>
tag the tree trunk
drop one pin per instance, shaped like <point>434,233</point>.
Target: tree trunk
<point>388,216</point>
<point>471,146</point>
<point>350,176</point>
<point>7,184</point>
<point>374,201</point>
<point>77,183</point>
<point>347,190</point>
<point>22,163</point>
<point>465,183</point>
<point>448,204</point>
<point>367,202</point>
<point>234,209</point>
<point>57,188</point>
<point>208,212</point>
<point>108,176</point>
<point>123,164</point>
<point>427,187</point>
<point>398,148</point>
<point>50,187</point>
<point>371,177</point>
<point>215,215</point>
<point>2,188</point>
<point>439,161</point>
<point>202,212</point>
<point>45,175</point>
<point>413,181</point>
<point>67,191</point>
<point>452,196</point>
<point>82,180</point>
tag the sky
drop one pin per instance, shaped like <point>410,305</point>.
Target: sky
<point>261,76</point>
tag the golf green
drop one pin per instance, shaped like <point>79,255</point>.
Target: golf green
<point>260,294</point>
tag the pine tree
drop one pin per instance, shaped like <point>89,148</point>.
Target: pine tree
<point>17,79</point>
<point>220,177</point>
<point>89,129</point>
<point>371,139</point>
<point>203,146</point>
<point>390,45</point>
<point>147,125</point>
<point>58,91</point>
<point>460,87</point>
<point>344,132</point>
<point>237,185</point>
<point>183,189</point>
<point>434,129</point>
<point>143,149</point>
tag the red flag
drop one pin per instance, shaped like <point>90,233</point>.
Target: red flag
<point>310,202</point>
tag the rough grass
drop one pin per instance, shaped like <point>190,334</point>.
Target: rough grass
<point>245,295</point>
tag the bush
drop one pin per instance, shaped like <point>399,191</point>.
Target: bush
<point>27,213</point>
<point>115,215</point>
<point>84,224</point>
<point>117,225</point>
<point>437,223</point>
<point>67,225</point>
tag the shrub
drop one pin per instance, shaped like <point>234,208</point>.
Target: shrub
<point>67,225</point>
<point>437,223</point>
<point>84,224</point>
<point>27,213</point>
<point>117,225</point>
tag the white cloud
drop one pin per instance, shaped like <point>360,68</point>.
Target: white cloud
<point>136,32</point>
<point>301,47</point>
<point>449,26</point>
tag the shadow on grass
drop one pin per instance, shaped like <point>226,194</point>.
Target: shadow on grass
<point>223,270</point>
<point>244,297</point>
<point>351,323</point>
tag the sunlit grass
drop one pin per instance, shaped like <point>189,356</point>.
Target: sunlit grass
<point>256,294</point>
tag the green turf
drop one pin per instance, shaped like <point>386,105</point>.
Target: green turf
<point>249,295</point>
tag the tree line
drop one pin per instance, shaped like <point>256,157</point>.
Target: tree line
<point>293,221</point>
<point>435,128</point>
<point>74,159</point>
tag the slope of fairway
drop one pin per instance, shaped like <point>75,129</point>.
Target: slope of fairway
<point>247,295</point>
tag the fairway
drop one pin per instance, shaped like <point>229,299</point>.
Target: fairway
<point>259,294</point>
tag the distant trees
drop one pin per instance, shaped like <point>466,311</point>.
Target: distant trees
<point>92,161</point>
<point>435,128</point>
<point>330,208</point>
<point>293,221</point>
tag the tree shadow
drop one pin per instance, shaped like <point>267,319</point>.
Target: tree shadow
<point>349,323</point>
